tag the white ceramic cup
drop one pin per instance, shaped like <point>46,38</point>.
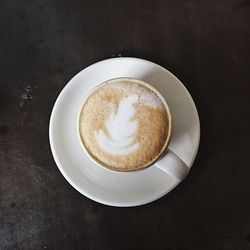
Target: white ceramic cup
<point>168,161</point>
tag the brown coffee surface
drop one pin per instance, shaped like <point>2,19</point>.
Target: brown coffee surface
<point>124,125</point>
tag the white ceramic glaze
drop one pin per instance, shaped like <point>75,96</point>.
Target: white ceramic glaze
<point>99,184</point>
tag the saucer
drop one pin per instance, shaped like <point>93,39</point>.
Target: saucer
<point>111,188</point>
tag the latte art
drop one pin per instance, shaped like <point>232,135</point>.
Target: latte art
<point>124,125</point>
<point>121,129</point>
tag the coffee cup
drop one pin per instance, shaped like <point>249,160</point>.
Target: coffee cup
<point>125,125</point>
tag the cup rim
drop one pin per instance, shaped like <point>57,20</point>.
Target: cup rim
<point>170,129</point>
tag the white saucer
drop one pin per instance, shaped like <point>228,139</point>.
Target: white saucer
<point>121,189</point>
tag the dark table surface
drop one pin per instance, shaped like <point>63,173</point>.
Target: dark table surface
<point>43,44</point>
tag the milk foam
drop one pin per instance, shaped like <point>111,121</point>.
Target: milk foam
<point>122,127</point>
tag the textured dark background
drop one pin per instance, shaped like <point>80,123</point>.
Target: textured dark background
<point>45,43</point>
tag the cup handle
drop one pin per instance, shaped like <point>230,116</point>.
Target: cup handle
<point>171,164</point>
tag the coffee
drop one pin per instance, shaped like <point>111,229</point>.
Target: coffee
<point>124,125</point>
